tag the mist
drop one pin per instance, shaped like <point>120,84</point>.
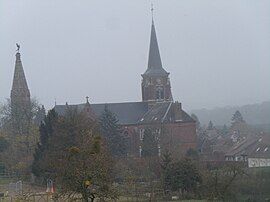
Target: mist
<point>217,52</point>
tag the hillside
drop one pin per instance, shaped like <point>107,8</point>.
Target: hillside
<point>254,114</point>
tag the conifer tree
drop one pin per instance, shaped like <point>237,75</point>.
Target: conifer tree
<point>112,133</point>
<point>149,144</point>
<point>210,126</point>
<point>45,131</point>
<point>237,117</point>
<point>166,166</point>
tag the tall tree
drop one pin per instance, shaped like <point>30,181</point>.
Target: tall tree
<point>210,126</point>
<point>186,176</point>
<point>149,144</point>
<point>112,133</point>
<point>17,123</point>
<point>166,170</point>
<point>237,117</point>
<point>45,132</point>
<point>78,159</point>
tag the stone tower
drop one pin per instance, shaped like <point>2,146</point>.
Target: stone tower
<point>20,94</point>
<point>155,80</point>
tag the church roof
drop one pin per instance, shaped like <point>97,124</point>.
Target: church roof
<point>131,112</point>
<point>126,112</point>
<point>154,60</point>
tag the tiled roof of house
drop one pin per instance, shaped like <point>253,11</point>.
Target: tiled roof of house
<point>253,147</point>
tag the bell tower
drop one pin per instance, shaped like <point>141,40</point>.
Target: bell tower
<point>155,80</point>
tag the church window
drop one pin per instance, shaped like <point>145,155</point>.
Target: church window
<point>140,151</point>
<point>160,93</point>
<point>141,133</point>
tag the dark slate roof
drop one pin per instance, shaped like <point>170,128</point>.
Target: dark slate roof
<point>154,60</point>
<point>131,112</point>
<point>126,112</point>
<point>186,117</point>
<point>253,147</point>
<point>157,113</point>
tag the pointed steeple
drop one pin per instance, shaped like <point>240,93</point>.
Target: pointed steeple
<point>155,81</point>
<point>20,93</point>
<point>154,60</point>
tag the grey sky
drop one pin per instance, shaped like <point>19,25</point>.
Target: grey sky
<point>218,52</point>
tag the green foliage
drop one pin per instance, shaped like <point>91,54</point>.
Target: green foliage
<point>149,144</point>
<point>181,175</point>
<point>166,166</point>
<point>4,144</point>
<point>224,130</point>
<point>210,126</point>
<point>111,131</point>
<point>72,153</point>
<point>237,117</point>
<point>186,176</point>
<point>192,154</point>
<point>45,132</point>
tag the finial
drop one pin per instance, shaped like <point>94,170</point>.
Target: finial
<point>18,47</point>
<point>87,99</point>
<point>152,11</point>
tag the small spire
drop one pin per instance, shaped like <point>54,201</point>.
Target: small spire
<point>152,12</point>
<point>87,99</point>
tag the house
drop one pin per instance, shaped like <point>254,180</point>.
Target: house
<point>255,150</point>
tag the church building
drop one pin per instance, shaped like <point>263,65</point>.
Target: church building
<point>174,129</point>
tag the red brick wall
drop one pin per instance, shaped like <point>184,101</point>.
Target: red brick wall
<point>176,137</point>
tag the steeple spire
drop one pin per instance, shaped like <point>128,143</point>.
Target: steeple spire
<point>152,12</point>
<point>154,67</point>
<point>20,94</point>
<point>155,83</point>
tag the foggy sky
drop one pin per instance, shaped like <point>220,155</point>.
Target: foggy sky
<point>217,52</point>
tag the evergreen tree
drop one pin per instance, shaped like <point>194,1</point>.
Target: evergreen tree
<point>225,130</point>
<point>237,117</point>
<point>149,144</point>
<point>166,166</point>
<point>112,133</point>
<point>186,176</point>
<point>210,126</point>
<point>4,144</point>
<point>45,131</point>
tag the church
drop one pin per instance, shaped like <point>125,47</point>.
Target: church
<point>174,129</point>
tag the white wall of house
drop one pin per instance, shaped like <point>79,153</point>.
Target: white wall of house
<point>258,162</point>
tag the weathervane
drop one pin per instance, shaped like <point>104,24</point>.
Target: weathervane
<point>152,10</point>
<point>18,47</point>
<point>87,99</point>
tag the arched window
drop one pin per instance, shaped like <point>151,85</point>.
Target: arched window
<point>159,93</point>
